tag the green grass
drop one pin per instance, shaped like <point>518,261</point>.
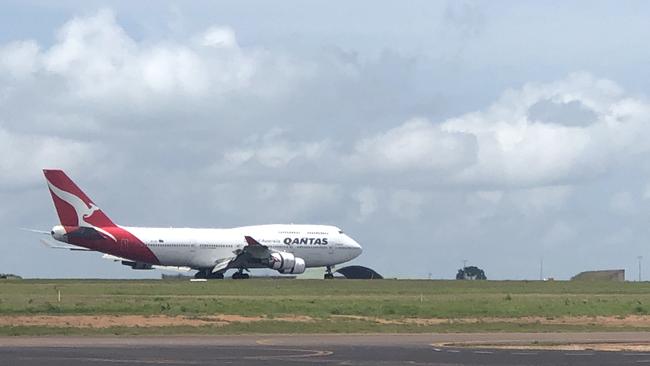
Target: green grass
<point>321,300</point>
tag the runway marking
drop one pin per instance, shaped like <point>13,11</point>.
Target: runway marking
<point>642,361</point>
<point>524,353</point>
<point>635,354</point>
<point>310,353</point>
<point>453,351</point>
<point>265,342</point>
<point>579,354</point>
<point>483,352</point>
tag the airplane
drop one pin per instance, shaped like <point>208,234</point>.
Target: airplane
<point>289,249</point>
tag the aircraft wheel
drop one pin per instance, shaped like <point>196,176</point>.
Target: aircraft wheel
<point>328,276</point>
<point>240,275</point>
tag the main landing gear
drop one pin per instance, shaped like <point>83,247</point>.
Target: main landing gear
<point>240,275</point>
<point>328,273</point>
<point>207,274</point>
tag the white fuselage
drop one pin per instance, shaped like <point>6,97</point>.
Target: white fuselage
<point>318,245</point>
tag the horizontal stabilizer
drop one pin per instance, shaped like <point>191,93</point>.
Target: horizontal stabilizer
<point>155,266</point>
<point>50,245</point>
<point>44,232</point>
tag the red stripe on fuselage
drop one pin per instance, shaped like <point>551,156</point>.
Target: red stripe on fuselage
<point>126,246</point>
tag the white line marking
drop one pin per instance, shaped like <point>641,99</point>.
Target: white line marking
<point>483,352</point>
<point>524,353</point>
<point>453,351</point>
<point>437,349</point>
<point>579,354</point>
<point>643,361</point>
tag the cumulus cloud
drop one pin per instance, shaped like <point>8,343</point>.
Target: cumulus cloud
<point>95,59</point>
<point>415,145</point>
<point>516,150</point>
<point>503,146</point>
<point>499,147</point>
<point>23,156</point>
<point>96,84</point>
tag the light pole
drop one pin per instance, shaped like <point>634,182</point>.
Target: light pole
<point>639,258</point>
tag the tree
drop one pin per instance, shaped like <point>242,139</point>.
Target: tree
<point>471,273</point>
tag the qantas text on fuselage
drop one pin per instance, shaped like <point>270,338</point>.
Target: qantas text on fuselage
<point>285,248</point>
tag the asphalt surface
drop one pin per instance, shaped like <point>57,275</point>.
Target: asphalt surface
<point>314,350</point>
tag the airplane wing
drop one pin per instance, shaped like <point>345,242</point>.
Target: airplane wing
<point>252,253</point>
<point>222,264</point>
<point>255,249</point>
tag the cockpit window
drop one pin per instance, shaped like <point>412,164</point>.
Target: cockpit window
<point>340,231</point>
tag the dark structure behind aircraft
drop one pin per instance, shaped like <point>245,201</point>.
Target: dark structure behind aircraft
<point>359,273</point>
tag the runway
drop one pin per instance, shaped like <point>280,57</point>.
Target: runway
<point>421,349</point>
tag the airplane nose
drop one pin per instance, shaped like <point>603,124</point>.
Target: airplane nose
<point>356,247</point>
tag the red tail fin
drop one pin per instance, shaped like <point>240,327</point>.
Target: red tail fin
<point>72,205</point>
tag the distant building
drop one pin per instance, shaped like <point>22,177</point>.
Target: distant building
<point>616,275</point>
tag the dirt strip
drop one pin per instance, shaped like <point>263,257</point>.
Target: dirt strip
<point>107,321</point>
<point>633,321</point>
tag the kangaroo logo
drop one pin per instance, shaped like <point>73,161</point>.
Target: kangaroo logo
<point>82,209</point>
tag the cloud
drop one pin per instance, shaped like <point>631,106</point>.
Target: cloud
<point>19,59</point>
<point>273,150</point>
<point>22,157</point>
<point>94,60</point>
<point>415,145</point>
<point>96,87</point>
<point>368,202</point>
<point>515,150</point>
<point>507,145</point>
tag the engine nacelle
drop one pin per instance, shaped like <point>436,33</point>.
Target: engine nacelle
<point>298,267</point>
<point>285,262</point>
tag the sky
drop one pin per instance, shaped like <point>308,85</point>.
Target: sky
<point>502,133</point>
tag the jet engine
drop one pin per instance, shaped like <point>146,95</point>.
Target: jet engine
<point>287,263</point>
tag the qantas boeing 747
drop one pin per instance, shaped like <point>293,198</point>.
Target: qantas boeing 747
<point>289,249</point>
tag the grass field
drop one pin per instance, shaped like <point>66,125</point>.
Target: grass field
<point>289,306</point>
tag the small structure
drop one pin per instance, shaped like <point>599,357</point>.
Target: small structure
<point>359,273</point>
<point>616,275</point>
